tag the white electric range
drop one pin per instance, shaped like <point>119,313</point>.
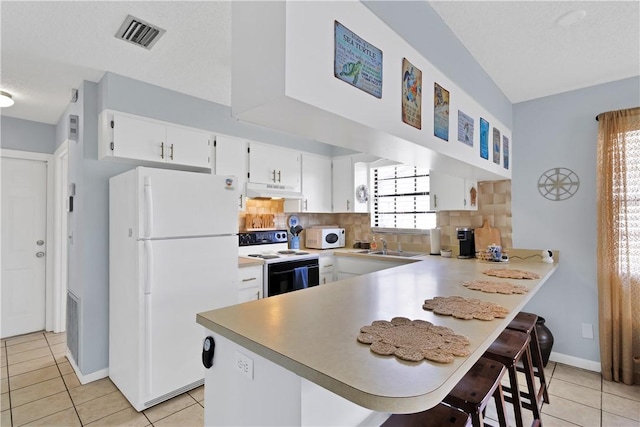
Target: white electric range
<point>285,270</point>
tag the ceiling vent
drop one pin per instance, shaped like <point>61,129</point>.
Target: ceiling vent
<point>138,32</point>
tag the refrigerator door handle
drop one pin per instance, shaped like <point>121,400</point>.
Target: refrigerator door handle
<point>148,278</point>
<point>148,207</point>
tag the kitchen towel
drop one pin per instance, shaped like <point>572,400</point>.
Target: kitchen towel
<point>300,278</point>
<point>434,238</point>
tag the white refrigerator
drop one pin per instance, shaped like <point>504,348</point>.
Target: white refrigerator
<point>173,249</point>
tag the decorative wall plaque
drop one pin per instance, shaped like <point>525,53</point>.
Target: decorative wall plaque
<point>558,184</point>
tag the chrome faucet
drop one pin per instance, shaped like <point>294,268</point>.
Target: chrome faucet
<point>384,246</point>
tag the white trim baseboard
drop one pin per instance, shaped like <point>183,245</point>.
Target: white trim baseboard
<point>85,379</point>
<point>577,362</point>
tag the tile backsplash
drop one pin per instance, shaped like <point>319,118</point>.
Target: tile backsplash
<point>494,204</point>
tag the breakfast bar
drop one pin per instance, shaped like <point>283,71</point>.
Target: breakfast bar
<point>294,359</point>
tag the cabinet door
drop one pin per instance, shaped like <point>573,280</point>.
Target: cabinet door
<point>249,294</point>
<point>274,165</point>
<point>342,184</point>
<point>316,183</point>
<point>188,147</point>
<point>445,192</point>
<point>139,139</point>
<point>288,169</point>
<point>327,270</point>
<point>231,159</point>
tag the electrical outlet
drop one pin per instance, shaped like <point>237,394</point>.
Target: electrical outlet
<point>587,331</point>
<point>244,364</point>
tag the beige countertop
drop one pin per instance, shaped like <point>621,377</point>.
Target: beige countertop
<point>248,262</point>
<point>313,333</point>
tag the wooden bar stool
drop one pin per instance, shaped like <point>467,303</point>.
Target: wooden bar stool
<point>440,415</point>
<point>510,348</point>
<point>474,391</point>
<point>526,322</point>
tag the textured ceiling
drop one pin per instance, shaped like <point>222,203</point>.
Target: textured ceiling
<point>50,47</point>
<point>529,56</point>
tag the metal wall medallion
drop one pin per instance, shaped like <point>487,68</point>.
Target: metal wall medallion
<point>558,184</point>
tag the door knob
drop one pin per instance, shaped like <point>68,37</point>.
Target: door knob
<point>40,254</point>
<point>40,242</point>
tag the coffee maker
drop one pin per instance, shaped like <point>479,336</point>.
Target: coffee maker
<point>467,243</point>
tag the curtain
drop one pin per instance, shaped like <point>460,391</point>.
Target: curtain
<point>618,197</point>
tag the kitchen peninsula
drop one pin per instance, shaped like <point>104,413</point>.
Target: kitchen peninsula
<point>294,359</point>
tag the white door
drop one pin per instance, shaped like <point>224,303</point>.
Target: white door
<point>23,245</point>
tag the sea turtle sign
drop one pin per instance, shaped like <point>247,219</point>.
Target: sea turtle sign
<point>357,62</point>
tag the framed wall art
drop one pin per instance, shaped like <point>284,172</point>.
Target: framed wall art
<point>484,139</point>
<point>496,146</point>
<point>411,94</point>
<point>356,61</point>
<point>440,112</point>
<point>505,151</point>
<point>465,129</point>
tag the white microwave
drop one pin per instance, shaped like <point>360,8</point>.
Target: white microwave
<point>324,238</point>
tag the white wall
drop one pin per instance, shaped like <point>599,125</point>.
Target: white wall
<point>316,104</point>
<point>561,131</point>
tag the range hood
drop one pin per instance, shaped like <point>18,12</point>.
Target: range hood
<point>268,191</point>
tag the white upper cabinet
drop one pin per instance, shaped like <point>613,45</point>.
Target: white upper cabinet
<point>350,185</point>
<point>342,184</point>
<point>451,193</point>
<point>153,142</point>
<point>275,166</point>
<point>231,159</point>
<point>316,186</point>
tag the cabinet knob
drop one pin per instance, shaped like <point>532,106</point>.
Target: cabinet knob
<point>273,174</point>
<point>279,176</point>
<point>171,153</point>
<point>162,150</point>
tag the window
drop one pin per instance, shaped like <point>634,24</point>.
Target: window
<point>401,198</point>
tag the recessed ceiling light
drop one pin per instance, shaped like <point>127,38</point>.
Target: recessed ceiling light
<point>6,100</point>
<point>571,18</point>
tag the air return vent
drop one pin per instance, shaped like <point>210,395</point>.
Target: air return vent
<point>138,32</point>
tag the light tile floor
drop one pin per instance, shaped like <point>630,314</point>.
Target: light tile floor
<point>39,388</point>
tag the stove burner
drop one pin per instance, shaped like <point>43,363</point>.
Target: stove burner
<point>302,253</point>
<point>263,256</point>
<point>286,252</point>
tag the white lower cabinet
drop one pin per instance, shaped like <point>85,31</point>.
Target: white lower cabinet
<point>326,265</point>
<point>250,283</point>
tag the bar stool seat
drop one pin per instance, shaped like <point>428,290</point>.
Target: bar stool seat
<point>474,391</point>
<point>526,322</point>
<point>510,348</point>
<point>440,415</point>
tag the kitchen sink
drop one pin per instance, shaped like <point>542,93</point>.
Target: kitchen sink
<point>392,253</point>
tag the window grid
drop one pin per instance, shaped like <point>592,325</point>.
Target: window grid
<point>401,198</point>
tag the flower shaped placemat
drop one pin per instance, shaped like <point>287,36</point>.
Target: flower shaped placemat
<point>511,274</point>
<point>414,340</point>
<point>495,287</point>
<point>467,309</point>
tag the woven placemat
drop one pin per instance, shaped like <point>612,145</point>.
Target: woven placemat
<point>505,273</point>
<point>495,287</point>
<point>414,340</point>
<point>463,308</point>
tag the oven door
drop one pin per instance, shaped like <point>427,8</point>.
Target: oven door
<point>282,277</point>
